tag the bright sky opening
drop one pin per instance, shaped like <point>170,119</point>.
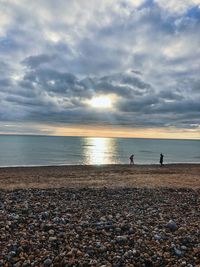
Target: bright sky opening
<point>102,102</point>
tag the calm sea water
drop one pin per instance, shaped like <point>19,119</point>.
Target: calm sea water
<point>50,150</point>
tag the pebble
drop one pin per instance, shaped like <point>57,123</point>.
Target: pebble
<point>121,239</point>
<point>157,237</point>
<point>172,225</point>
<point>178,252</point>
<point>99,227</point>
<point>47,262</point>
<point>183,247</point>
<point>51,232</point>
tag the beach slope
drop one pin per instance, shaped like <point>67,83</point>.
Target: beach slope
<point>172,175</point>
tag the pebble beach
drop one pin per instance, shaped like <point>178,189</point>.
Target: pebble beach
<point>102,224</point>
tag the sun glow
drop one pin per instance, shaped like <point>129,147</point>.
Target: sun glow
<point>101,102</point>
<point>98,150</point>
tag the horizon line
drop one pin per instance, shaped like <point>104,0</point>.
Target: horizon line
<point>85,136</point>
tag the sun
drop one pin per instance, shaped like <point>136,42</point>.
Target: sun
<point>101,102</point>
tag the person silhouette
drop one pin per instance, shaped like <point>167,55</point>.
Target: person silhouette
<point>131,160</point>
<point>161,159</point>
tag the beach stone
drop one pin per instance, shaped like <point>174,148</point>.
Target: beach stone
<point>157,237</point>
<point>118,215</point>
<point>148,263</point>
<point>52,238</point>
<point>103,219</point>
<point>26,263</point>
<point>131,231</point>
<point>178,252</point>
<point>47,262</point>
<point>70,253</point>
<point>102,248</point>
<point>13,216</point>
<point>110,217</point>
<point>18,264</point>
<point>98,244</point>
<point>121,239</point>
<point>45,215</point>
<point>79,253</point>
<point>183,263</point>
<point>172,225</point>
<point>51,232</point>
<point>89,236</point>
<point>183,247</point>
<point>47,227</point>
<point>11,254</point>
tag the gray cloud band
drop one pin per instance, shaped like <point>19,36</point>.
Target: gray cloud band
<point>146,54</point>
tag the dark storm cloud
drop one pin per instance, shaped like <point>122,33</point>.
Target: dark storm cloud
<point>130,80</point>
<point>184,106</point>
<point>52,96</point>
<point>4,68</point>
<point>136,72</point>
<point>120,90</point>
<point>55,59</point>
<point>65,103</point>
<point>56,82</point>
<point>169,95</point>
<point>34,61</point>
<point>141,104</point>
<point>5,82</point>
<point>45,76</point>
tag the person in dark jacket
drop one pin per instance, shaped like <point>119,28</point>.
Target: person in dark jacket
<point>131,160</point>
<point>161,159</point>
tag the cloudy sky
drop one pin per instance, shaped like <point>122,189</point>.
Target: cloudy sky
<point>141,58</point>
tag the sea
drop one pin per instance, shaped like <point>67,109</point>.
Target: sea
<point>21,150</point>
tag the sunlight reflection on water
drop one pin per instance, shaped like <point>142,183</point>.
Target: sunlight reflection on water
<point>98,150</point>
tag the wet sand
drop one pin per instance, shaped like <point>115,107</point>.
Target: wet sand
<point>111,176</point>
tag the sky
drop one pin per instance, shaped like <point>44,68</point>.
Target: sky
<point>58,58</point>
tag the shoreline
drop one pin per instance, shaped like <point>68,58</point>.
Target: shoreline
<point>99,165</point>
<point>99,176</point>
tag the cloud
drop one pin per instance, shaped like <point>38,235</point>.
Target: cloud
<point>54,97</point>
<point>35,61</point>
<point>54,59</point>
<point>177,7</point>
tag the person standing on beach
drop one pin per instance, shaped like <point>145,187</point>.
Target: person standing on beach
<point>131,160</point>
<point>161,159</point>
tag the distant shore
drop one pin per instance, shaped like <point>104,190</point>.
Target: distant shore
<point>98,176</point>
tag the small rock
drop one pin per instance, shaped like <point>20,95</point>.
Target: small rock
<point>52,238</point>
<point>178,252</point>
<point>26,263</point>
<point>131,231</point>
<point>11,254</point>
<point>183,247</point>
<point>183,263</point>
<point>172,225</point>
<point>157,237</point>
<point>47,262</point>
<point>51,232</point>
<point>121,239</point>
